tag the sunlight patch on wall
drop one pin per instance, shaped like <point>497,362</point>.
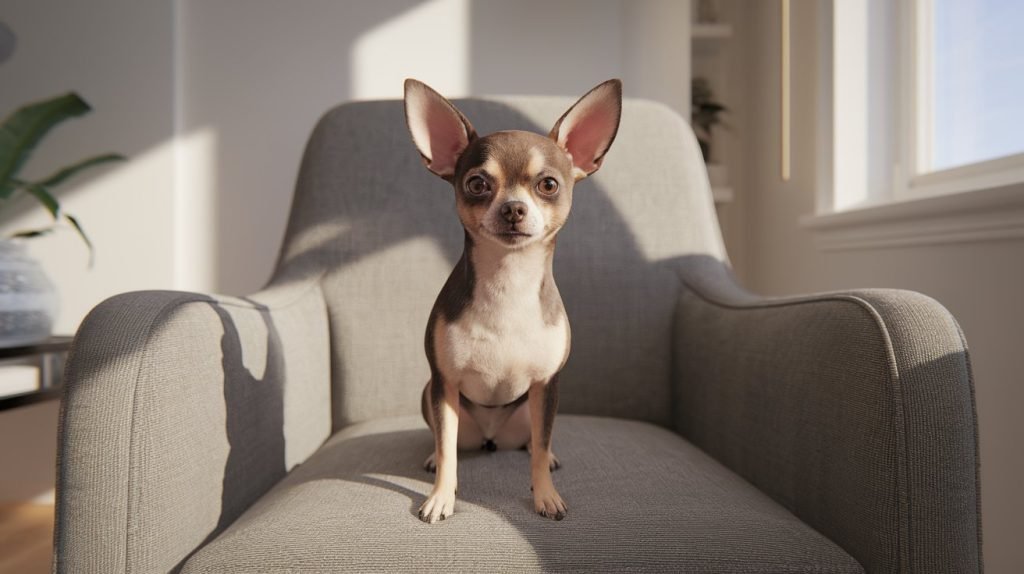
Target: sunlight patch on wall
<point>195,211</point>
<point>429,42</point>
<point>851,61</point>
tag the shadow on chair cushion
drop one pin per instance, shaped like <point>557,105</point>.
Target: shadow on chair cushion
<point>640,499</point>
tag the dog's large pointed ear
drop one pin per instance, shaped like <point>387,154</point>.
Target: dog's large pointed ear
<point>587,129</point>
<point>440,131</point>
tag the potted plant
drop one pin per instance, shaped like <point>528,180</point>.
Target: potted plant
<point>28,300</point>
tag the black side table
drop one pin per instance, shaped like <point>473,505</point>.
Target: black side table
<point>48,356</point>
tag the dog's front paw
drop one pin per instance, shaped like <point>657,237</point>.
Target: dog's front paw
<point>438,506</point>
<point>548,503</point>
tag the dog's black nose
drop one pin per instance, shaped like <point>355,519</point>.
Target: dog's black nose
<point>513,211</point>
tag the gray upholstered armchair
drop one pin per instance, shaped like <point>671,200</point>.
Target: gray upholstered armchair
<point>702,429</point>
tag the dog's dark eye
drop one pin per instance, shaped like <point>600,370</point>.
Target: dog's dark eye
<point>548,186</point>
<point>477,186</point>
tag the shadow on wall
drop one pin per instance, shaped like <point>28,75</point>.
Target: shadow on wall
<point>321,50</point>
<point>546,48</point>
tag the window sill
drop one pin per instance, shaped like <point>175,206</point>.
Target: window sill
<point>981,215</point>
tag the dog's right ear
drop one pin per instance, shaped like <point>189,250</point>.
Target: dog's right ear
<point>438,129</point>
<point>588,129</point>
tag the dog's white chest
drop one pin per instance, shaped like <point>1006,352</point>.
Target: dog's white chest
<point>500,345</point>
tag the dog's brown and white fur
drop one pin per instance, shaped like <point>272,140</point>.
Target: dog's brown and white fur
<point>498,334</point>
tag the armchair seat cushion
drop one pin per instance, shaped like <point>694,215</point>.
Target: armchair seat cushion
<point>640,498</point>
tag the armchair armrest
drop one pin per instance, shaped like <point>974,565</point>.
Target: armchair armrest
<point>179,410</point>
<point>855,410</point>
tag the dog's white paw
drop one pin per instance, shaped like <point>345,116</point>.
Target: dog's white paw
<point>548,503</point>
<point>430,465</point>
<point>438,506</point>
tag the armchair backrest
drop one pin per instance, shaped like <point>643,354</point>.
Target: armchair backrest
<point>381,233</point>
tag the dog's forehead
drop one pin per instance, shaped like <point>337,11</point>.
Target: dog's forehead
<point>516,154</point>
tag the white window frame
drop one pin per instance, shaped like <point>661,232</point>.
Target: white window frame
<point>876,195</point>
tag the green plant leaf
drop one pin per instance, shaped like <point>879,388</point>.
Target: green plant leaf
<point>45,197</point>
<point>16,184</point>
<point>28,234</point>
<point>22,130</point>
<point>60,176</point>
<point>81,232</point>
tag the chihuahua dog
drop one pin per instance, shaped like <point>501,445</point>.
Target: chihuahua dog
<point>498,334</point>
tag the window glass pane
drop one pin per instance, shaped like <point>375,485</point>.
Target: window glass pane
<point>978,81</point>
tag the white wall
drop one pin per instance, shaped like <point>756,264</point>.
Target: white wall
<point>980,283</point>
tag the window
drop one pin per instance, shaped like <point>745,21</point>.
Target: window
<point>921,122</point>
<point>971,101</point>
<point>966,95</point>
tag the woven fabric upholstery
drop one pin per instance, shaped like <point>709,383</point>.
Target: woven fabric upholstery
<point>176,417</point>
<point>845,417</point>
<point>854,410</point>
<point>383,232</point>
<point>640,499</point>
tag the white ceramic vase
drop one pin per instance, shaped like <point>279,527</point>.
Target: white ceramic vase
<point>28,299</point>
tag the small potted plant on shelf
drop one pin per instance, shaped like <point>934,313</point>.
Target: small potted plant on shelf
<point>28,300</point>
<point>705,113</point>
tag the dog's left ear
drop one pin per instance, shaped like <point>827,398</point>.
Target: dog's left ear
<point>587,129</point>
<point>439,130</point>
